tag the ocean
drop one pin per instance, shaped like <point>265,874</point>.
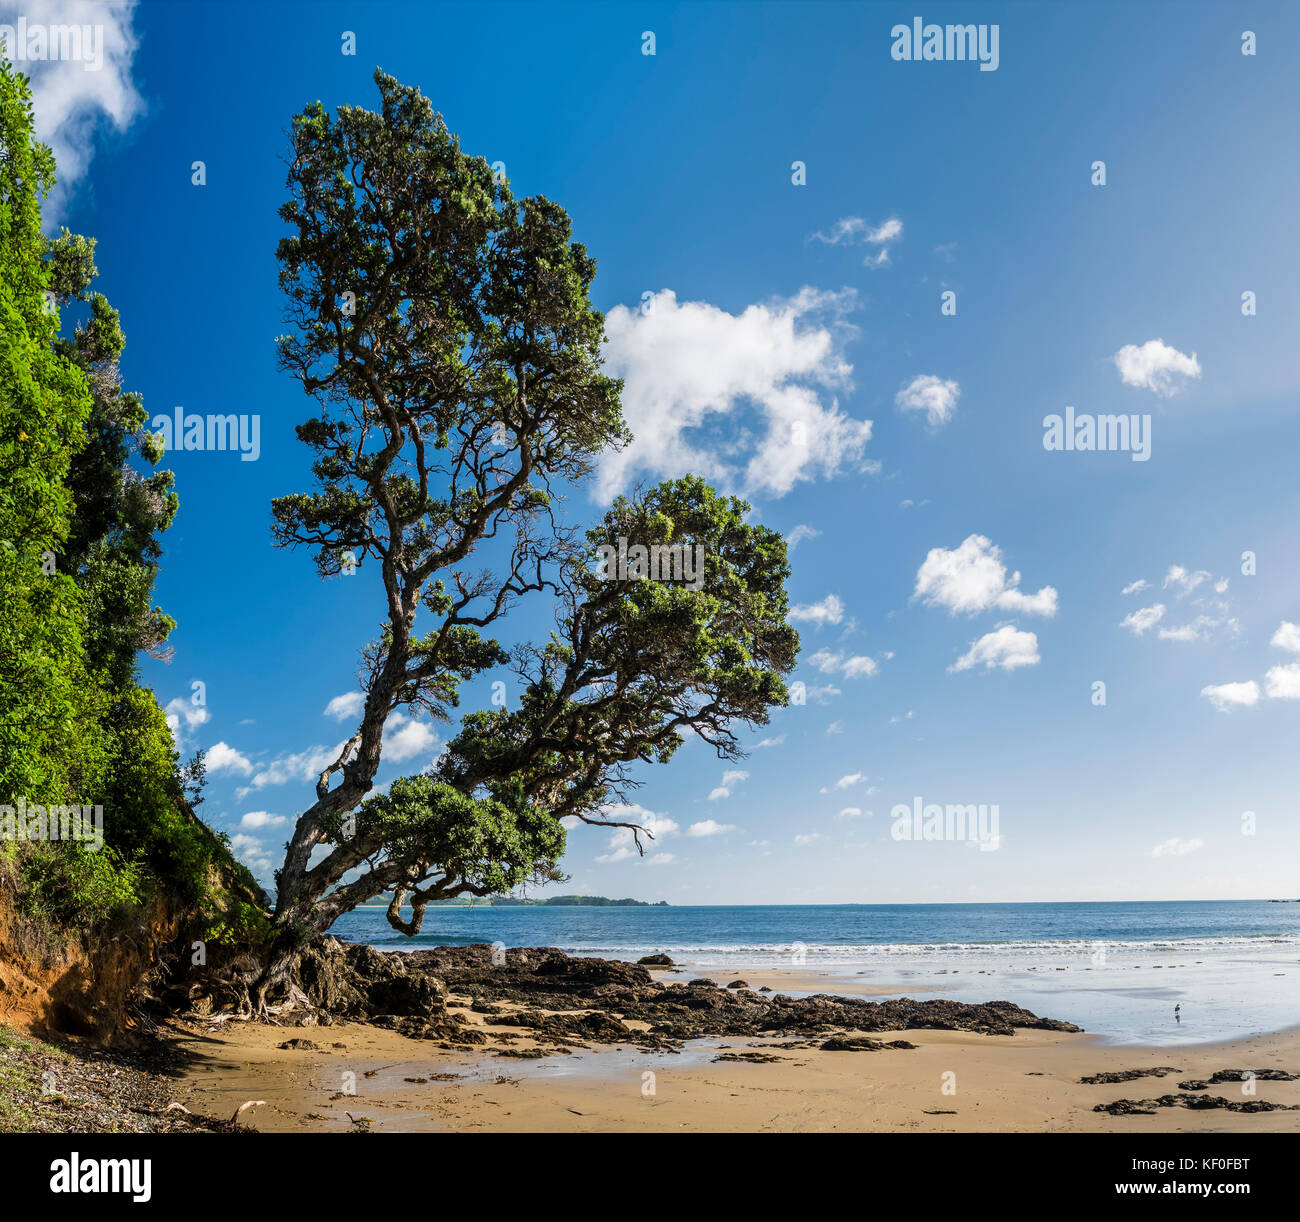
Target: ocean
<point>1116,969</point>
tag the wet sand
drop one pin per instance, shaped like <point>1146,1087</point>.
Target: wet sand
<point>953,1081</point>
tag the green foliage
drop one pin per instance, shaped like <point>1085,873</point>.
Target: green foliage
<point>479,845</point>
<point>46,698</point>
<point>78,560</point>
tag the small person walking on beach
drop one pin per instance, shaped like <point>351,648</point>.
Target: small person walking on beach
<point>1177,1016</point>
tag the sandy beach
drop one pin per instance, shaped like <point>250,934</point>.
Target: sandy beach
<point>362,1076</point>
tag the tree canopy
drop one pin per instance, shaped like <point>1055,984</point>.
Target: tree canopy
<point>445,332</point>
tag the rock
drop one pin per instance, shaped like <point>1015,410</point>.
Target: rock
<point>738,984</point>
<point>1197,1103</point>
<point>860,1043</point>
<point>301,1045</point>
<point>655,961</point>
<point>564,1000</point>
<point>1127,1075</point>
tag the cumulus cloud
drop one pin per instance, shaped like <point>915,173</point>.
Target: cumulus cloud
<point>1006,648</point>
<point>622,840</point>
<point>830,662</point>
<point>1136,587</point>
<point>296,766</point>
<point>1183,581</point>
<point>1287,637</point>
<point>222,757</point>
<point>730,779</point>
<point>88,86</point>
<point>405,738</point>
<point>972,578</point>
<point>1227,696</point>
<point>934,396</point>
<point>1201,592</point>
<point>261,818</point>
<point>1143,619</point>
<point>1156,367</point>
<point>710,827</point>
<point>183,716</point>
<point>829,611</point>
<point>347,705</point>
<point>736,398</point>
<point>1176,847</point>
<point>1283,682</point>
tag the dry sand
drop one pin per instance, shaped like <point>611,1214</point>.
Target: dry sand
<point>1028,1082</point>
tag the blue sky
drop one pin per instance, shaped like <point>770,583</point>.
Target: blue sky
<point>785,317</point>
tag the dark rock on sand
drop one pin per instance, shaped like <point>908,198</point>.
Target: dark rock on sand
<point>1197,1103</point>
<point>546,979</point>
<point>1127,1075</point>
<point>860,1043</point>
<point>656,961</point>
<point>738,984</point>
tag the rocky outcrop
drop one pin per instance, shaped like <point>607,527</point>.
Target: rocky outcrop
<point>1197,1103</point>
<point>543,986</point>
<point>1127,1075</point>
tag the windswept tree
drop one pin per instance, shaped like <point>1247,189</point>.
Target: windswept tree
<point>445,332</point>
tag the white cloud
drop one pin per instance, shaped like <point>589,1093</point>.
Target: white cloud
<point>854,231</point>
<point>222,757</point>
<point>1176,847</point>
<point>1283,682</point>
<point>1138,622</point>
<point>710,827</point>
<point>261,818</point>
<point>251,851</point>
<point>1225,696</point>
<point>182,716</point>
<point>735,398</point>
<point>1183,580</point>
<point>1199,629</point>
<point>823,694</point>
<point>934,396</point>
<point>808,837</point>
<point>73,97</point>
<point>845,782</point>
<point>659,859</point>
<point>299,766</point>
<point>851,812</point>
<point>799,534</point>
<point>1006,648</point>
<point>1155,366</point>
<point>829,611</point>
<point>405,738</point>
<point>769,742</point>
<point>1136,587</point>
<point>972,578</point>
<point>1287,637</point>
<point>347,705</point>
<point>622,842</point>
<point>730,779</point>
<point>831,662</point>
<point>902,717</point>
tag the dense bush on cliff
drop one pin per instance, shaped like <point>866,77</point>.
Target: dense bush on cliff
<point>78,559</point>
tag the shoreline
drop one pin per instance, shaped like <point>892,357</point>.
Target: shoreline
<point>502,1077</point>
